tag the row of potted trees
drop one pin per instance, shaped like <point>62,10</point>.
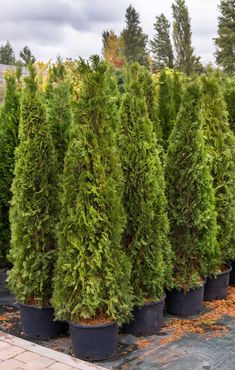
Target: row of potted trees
<point>94,245</point>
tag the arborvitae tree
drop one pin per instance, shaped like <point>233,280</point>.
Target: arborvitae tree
<point>190,196</point>
<point>59,112</point>
<point>34,205</point>
<point>146,233</point>
<point>135,41</point>
<point>92,277</point>
<point>150,94</point>
<point>225,42</point>
<point>229,95</point>
<point>9,122</point>
<point>7,55</point>
<point>161,44</point>
<point>220,145</point>
<point>167,112</point>
<point>184,59</point>
<point>27,56</point>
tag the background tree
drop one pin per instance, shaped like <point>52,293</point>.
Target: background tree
<point>112,48</point>
<point>135,41</point>
<point>93,274</point>
<point>190,196</point>
<point>34,205</point>
<point>185,59</point>
<point>161,47</point>
<point>225,41</point>
<point>9,123</point>
<point>27,56</point>
<point>220,145</point>
<point>59,110</point>
<point>7,55</point>
<point>146,233</point>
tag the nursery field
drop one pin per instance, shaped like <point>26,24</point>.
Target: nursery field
<point>117,212</point>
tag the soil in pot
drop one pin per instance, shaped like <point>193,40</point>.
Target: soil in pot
<point>232,274</point>
<point>217,287</point>
<point>147,319</point>
<point>185,304</point>
<point>94,342</point>
<point>39,323</point>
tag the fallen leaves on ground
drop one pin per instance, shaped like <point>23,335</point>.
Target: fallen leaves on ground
<point>142,343</point>
<point>205,323</point>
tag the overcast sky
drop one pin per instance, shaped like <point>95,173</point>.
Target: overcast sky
<point>73,28</point>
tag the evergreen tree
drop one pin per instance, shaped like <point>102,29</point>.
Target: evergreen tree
<point>93,274</point>
<point>185,59</point>
<point>225,41</point>
<point>9,122</point>
<point>220,144</point>
<point>34,205</point>
<point>146,233</point>
<point>229,95</point>
<point>27,56</point>
<point>135,41</point>
<point>190,196</point>
<point>7,55</point>
<point>59,111</point>
<point>161,44</point>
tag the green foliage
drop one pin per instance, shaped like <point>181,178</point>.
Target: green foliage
<point>9,122</point>
<point>169,101</point>
<point>146,233</point>
<point>135,41</point>
<point>7,55</point>
<point>229,96</point>
<point>34,205</point>
<point>161,44</point>
<point>220,144</point>
<point>59,112</point>
<point>27,56</point>
<point>93,274</point>
<point>185,59</point>
<point>225,41</point>
<point>191,198</point>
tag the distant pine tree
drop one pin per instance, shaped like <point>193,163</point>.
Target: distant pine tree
<point>161,44</point>
<point>135,41</point>
<point>225,41</point>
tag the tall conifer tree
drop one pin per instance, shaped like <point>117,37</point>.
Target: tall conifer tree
<point>220,145</point>
<point>135,41</point>
<point>146,233</point>
<point>191,198</point>
<point>9,123</point>
<point>225,41</point>
<point>93,273</point>
<point>185,59</point>
<point>161,44</point>
<point>34,206</point>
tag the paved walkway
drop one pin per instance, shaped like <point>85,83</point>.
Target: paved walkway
<point>20,354</point>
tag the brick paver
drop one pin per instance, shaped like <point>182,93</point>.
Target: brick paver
<point>19,354</point>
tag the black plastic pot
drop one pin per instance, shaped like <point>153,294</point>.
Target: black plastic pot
<point>39,322</point>
<point>94,342</point>
<point>232,274</point>
<point>147,319</point>
<point>185,304</point>
<point>217,287</point>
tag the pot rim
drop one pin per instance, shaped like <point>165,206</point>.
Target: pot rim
<point>153,303</point>
<point>90,326</point>
<point>33,306</point>
<point>224,272</point>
